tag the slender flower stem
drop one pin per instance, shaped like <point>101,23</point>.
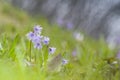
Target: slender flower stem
<point>30,51</point>
<point>35,57</point>
<point>119,66</point>
<point>42,58</point>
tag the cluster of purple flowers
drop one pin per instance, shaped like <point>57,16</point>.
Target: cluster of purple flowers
<point>69,25</point>
<point>39,40</point>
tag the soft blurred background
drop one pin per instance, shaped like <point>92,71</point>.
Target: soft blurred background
<point>95,18</point>
<point>85,32</point>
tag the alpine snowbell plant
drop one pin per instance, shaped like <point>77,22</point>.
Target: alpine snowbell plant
<point>38,42</point>
<point>64,61</point>
<point>51,50</point>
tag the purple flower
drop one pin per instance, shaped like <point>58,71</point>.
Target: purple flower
<point>52,50</point>
<point>38,45</point>
<point>118,55</point>
<point>64,61</point>
<point>74,53</point>
<point>117,40</point>
<point>60,22</point>
<point>69,25</point>
<point>37,39</point>
<point>30,35</point>
<point>46,40</point>
<point>37,29</point>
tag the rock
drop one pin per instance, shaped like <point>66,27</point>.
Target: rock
<point>94,17</point>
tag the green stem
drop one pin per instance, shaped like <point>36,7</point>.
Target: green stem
<point>30,52</point>
<point>35,57</point>
<point>42,58</point>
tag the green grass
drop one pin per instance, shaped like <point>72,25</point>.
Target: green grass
<point>94,60</point>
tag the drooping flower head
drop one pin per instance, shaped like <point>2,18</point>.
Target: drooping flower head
<point>37,29</point>
<point>30,36</point>
<point>46,40</point>
<point>64,61</point>
<point>52,50</point>
<point>37,45</point>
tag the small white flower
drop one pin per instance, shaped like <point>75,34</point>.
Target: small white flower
<point>78,36</point>
<point>115,62</point>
